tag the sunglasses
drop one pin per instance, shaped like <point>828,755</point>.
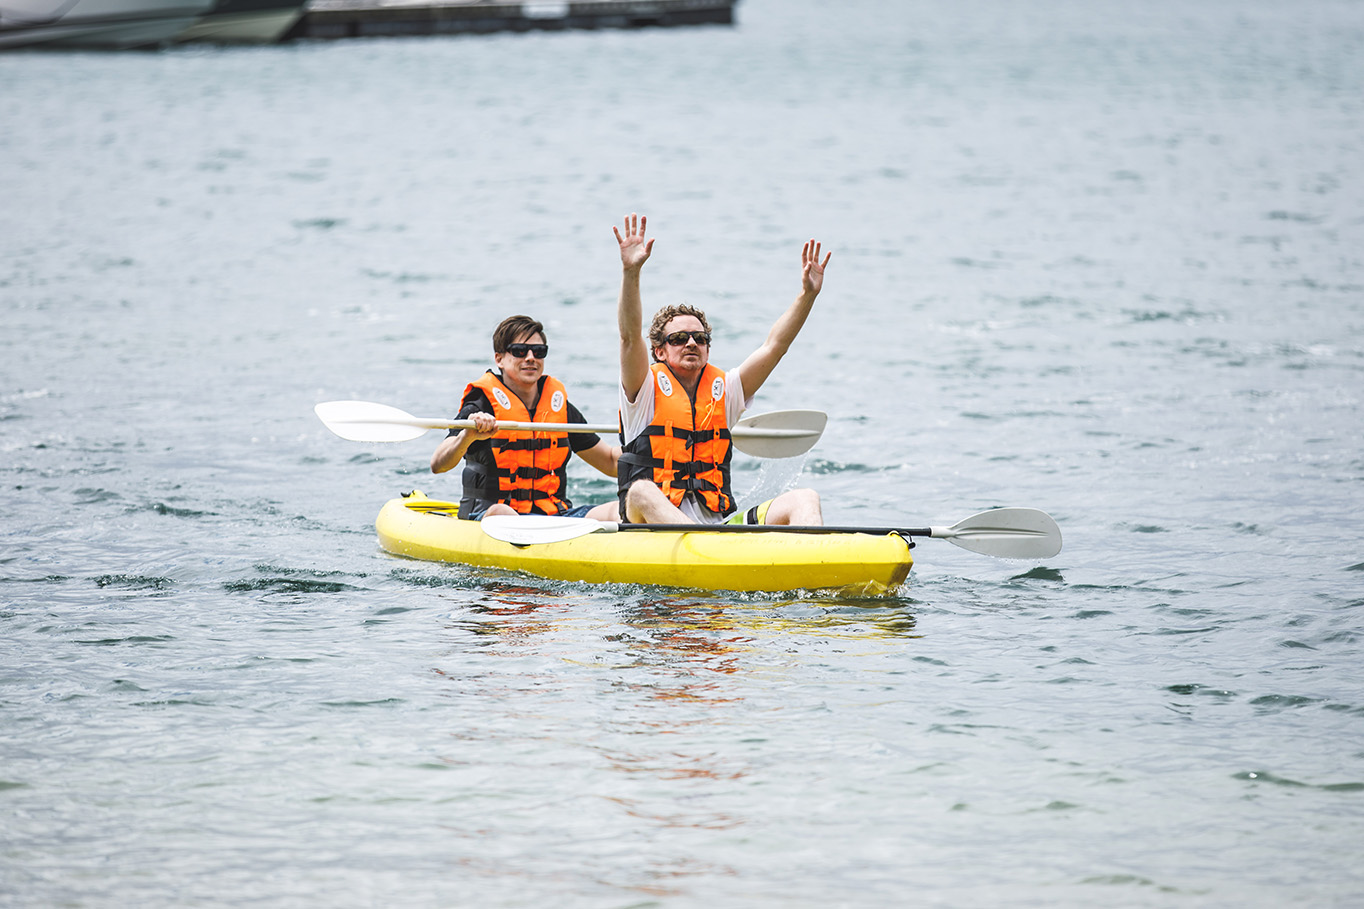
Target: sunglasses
<point>678,338</point>
<point>520,350</point>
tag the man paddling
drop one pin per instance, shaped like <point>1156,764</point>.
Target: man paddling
<point>676,413</point>
<point>521,472</point>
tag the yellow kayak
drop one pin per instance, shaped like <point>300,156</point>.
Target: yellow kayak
<point>424,528</point>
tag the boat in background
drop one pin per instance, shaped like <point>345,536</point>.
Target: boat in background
<point>105,24</point>
<point>129,24</point>
<point>125,24</point>
<point>333,19</point>
<point>245,22</point>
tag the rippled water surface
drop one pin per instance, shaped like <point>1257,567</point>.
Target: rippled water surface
<point>1100,259</point>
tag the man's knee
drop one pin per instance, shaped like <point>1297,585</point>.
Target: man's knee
<point>801,499</point>
<point>642,490</point>
<point>633,502</point>
<point>798,506</point>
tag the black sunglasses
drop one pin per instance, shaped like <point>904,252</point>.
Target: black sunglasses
<point>678,338</point>
<point>520,350</point>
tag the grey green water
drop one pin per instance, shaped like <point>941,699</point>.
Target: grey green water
<point>1096,258</point>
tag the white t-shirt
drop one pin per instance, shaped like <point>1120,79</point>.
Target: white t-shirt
<point>636,417</point>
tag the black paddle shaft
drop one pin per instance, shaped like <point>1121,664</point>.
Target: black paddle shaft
<point>778,528</point>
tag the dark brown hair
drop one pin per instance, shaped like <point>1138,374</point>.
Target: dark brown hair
<point>514,327</point>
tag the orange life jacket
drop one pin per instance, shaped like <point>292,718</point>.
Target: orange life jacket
<point>686,449</point>
<point>529,469</point>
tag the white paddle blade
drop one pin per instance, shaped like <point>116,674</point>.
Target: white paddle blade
<point>780,433</point>
<point>1008,533</point>
<point>361,421</point>
<point>531,529</point>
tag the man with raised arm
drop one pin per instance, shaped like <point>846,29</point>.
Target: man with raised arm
<point>674,465</point>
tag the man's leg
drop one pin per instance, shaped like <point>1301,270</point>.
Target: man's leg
<point>799,506</point>
<point>606,511</point>
<point>645,503</point>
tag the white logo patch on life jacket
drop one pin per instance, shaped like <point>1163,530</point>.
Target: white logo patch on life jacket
<point>717,388</point>
<point>556,403</point>
<point>665,384</point>
<point>502,398</point>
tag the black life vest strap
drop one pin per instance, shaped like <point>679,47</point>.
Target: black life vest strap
<point>690,436</point>
<point>482,481</point>
<point>647,463</point>
<point>532,444</point>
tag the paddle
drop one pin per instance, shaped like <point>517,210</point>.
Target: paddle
<point>1006,533</point>
<point>779,434</point>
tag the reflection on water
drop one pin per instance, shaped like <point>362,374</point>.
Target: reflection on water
<point>652,687</point>
<point>827,615</point>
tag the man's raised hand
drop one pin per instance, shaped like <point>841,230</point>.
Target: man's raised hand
<point>634,249</point>
<point>811,269</point>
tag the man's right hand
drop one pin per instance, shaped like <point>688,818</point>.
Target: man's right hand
<point>485,427</point>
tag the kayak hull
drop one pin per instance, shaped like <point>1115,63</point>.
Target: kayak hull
<point>423,528</point>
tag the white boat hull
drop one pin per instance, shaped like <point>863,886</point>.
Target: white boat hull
<point>264,26</point>
<point>123,24</point>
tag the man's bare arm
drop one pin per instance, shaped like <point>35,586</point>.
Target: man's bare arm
<point>634,350</point>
